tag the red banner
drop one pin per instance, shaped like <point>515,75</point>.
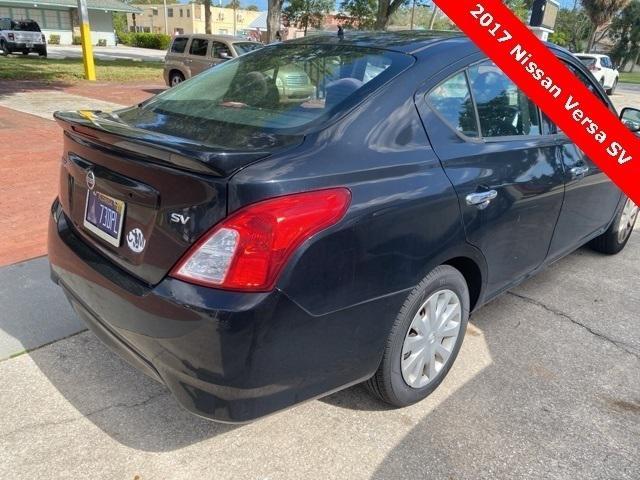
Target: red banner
<point>552,86</point>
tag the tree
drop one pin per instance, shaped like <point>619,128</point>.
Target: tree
<point>625,30</point>
<point>307,13</point>
<point>386,8</point>
<point>572,29</point>
<point>235,5</point>
<point>600,13</point>
<point>207,16</point>
<point>252,8</point>
<point>359,13</point>
<point>274,18</point>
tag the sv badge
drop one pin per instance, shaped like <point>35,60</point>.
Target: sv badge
<point>179,218</point>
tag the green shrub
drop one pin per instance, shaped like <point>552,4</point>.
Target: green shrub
<point>54,39</point>
<point>102,42</point>
<point>77,40</point>
<point>158,41</point>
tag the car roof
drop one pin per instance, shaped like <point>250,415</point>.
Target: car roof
<point>591,55</point>
<point>405,41</point>
<point>227,38</point>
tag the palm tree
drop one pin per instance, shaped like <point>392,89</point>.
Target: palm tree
<point>235,4</point>
<point>207,16</point>
<point>600,13</point>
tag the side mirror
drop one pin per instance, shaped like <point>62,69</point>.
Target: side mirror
<point>631,118</point>
<point>225,55</point>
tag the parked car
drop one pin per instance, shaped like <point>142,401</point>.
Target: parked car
<point>603,69</point>
<point>251,253</point>
<point>21,36</point>
<point>189,55</point>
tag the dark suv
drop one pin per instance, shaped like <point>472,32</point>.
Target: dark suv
<point>251,252</point>
<point>21,36</point>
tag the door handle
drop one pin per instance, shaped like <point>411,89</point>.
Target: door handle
<point>580,171</point>
<point>481,199</point>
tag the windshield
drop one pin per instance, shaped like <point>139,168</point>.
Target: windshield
<point>26,26</point>
<point>279,89</point>
<point>246,47</point>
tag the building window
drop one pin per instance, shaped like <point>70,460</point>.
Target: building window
<point>181,14</point>
<point>154,11</point>
<point>188,13</point>
<point>169,12</point>
<point>198,12</point>
<point>221,16</point>
<point>51,20</point>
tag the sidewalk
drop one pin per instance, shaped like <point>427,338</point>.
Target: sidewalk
<point>32,147</point>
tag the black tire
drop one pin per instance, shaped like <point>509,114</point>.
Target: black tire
<point>612,90</point>
<point>3,48</point>
<point>25,52</point>
<point>611,241</point>
<point>388,383</point>
<point>175,78</point>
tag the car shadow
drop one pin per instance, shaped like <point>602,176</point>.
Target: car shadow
<point>521,402</point>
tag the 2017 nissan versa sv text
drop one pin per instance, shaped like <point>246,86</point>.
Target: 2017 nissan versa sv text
<point>252,253</point>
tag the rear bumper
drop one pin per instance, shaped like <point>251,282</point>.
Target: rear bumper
<point>18,46</point>
<point>228,356</point>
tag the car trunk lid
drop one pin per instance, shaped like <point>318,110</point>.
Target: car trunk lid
<point>170,190</point>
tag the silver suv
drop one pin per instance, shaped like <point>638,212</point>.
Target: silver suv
<point>21,36</point>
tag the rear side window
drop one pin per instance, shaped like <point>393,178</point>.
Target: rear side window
<point>25,26</point>
<point>179,44</point>
<point>452,100</point>
<point>503,109</point>
<point>198,47</point>
<point>588,62</point>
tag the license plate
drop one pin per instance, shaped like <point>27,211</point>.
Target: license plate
<point>103,216</point>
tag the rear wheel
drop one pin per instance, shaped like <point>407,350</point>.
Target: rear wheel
<point>424,340</point>
<point>176,78</point>
<point>617,235</point>
<point>25,52</point>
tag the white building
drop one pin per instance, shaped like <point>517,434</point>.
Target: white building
<point>60,17</point>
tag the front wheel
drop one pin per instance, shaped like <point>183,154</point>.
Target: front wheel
<point>617,235</point>
<point>4,50</point>
<point>424,340</point>
<point>176,78</point>
<point>612,90</point>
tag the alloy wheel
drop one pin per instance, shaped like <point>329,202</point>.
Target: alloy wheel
<point>431,338</point>
<point>627,220</point>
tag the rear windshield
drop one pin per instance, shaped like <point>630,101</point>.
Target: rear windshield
<point>281,88</point>
<point>587,61</point>
<point>246,47</point>
<point>26,26</point>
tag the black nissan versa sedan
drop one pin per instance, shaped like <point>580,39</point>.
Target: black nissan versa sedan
<point>252,253</point>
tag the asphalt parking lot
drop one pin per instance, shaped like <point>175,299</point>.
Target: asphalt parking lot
<point>547,385</point>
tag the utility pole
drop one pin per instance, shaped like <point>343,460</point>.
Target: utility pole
<point>85,35</point>
<point>166,19</point>
<point>413,13</point>
<point>433,17</point>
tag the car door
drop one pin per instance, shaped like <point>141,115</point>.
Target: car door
<point>591,198</point>
<point>610,73</point>
<point>198,59</point>
<point>505,171</point>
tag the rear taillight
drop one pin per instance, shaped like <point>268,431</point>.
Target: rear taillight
<point>248,250</point>
<point>44,39</point>
<point>11,36</point>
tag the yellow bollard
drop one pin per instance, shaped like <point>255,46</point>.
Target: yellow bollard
<point>85,35</point>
